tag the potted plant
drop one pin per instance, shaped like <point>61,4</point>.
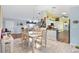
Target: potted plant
<point>77,46</point>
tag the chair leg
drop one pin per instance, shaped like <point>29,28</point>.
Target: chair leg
<point>28,43</point>
<point>35,43</point>
<point>33,46</point>
<point>45,43</point>
<point>41,42</point>
<point>23,42</point>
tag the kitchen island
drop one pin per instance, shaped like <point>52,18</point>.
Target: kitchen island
<point>52,34</point>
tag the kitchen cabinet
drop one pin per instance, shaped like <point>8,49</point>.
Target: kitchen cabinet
<point>52,34</point>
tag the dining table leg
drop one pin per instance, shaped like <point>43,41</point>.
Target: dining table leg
<point>41,41</point>
<point>46,39</point>
<point>33,48</point>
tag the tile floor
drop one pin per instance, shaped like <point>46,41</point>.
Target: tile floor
<point>52,47</point>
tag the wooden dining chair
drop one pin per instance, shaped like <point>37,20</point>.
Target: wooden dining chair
<point>26,39</point>
<point>25,36</point>
<point>40,35</point>
<point>39,39</point>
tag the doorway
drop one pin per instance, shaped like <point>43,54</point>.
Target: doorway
<point>64,33</point>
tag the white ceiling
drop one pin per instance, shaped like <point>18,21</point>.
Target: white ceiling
<point>30,11</point>
<point>17,12</point>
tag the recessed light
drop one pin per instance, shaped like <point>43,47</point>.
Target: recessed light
<point>54,7</point>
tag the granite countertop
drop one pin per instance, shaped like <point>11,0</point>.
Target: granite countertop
<point>52,29</point>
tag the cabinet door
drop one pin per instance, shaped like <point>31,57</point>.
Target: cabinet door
<point>51,34</point>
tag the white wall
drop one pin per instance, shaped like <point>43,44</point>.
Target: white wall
<point>18,11</point>
<point>0,17</point>
<point>0,20</point>
<point>74,28</point>
<point>13,24</point>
